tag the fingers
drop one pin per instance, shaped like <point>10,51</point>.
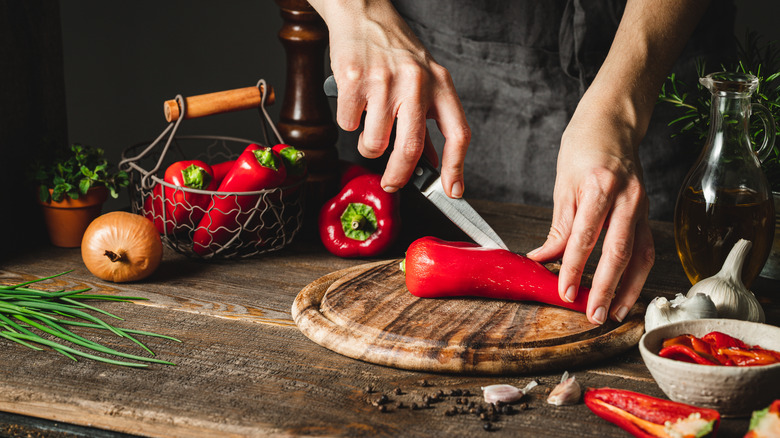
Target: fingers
<point>452,123</point>
<point>635,275</point>
<point>409,144</point>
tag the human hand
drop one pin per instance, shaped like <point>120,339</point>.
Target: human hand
<point>382,69</point>
<point>599,185</point>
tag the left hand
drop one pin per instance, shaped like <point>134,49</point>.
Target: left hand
<point>599,186</point>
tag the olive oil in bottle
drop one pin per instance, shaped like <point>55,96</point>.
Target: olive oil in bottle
<point>706,233</point>
<point>725,196</point>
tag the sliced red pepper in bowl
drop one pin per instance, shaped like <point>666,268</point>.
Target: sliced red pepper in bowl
<point>644,416</point>
<point>362,220</point>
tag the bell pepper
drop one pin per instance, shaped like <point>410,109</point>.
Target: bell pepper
<point>437,268</point>
<point>362,220</point>
<point>766,422</point>
<point>183,210</point>
<point>644,416</point>
<point>350,171</point>
<point>257,168</point>
<point>221,170</point>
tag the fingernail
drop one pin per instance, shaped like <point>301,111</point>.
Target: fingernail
<point>571,294</point>
<point>390,189</point>
<point>600,315</point>
<point>621,313</point>
<point>533,253</point>
<point>457,189</point>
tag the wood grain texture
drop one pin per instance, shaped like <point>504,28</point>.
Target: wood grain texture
<point>366,313</point>
<point>244,369</point>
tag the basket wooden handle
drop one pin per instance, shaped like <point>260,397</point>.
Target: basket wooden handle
<point>219,102</point>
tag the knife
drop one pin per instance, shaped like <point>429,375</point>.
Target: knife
<point>427,180</point>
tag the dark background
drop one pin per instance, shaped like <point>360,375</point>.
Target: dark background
<point>97,72</point>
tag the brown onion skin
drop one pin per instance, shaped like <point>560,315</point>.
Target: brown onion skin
<point>130,239</point>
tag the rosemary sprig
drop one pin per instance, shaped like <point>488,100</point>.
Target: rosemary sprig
<point>759,58</point>
<point>25,310</point>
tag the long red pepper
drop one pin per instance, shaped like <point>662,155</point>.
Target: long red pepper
<point>644,416</point>
<point>183,210</point>
<point>437,268</point>
<point>257,168</point>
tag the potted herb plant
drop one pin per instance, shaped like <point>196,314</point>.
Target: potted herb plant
<point>72,188</point>
<point>763,61</point>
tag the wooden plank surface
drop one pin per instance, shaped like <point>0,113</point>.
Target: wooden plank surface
<point>244,369</point>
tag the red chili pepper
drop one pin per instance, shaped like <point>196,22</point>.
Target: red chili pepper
<point>646,417</point>
<point>437,268</point>
<point>257,168</point>
<point>716,348</point>
<point>766,422</point>
<point>183,209</point>
<point>746,357</point>
<point>362,220</point>
<point>720,340</point>
<point>221,170</point>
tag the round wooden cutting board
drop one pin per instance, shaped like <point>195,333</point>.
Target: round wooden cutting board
<point>366,313</point>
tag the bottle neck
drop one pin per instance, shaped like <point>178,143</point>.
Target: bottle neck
<point>729,122</point>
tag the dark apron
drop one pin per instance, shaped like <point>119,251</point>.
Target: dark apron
<point>521,66</point>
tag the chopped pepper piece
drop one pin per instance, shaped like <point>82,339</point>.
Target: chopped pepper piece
<point>644,416</point>
<point>766,422</point>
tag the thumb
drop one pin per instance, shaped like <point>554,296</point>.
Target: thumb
<point>554,246</point>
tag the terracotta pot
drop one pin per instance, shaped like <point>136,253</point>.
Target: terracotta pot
<point>67,220</point>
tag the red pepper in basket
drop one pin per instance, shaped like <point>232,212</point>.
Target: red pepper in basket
<point>362,220</point>
<point>644,416</point>
<point>183,209</point>
<point>295,162</point>
<point>766,422</point>
<point>257,168</point>
<point>221,170</point>
<point>437,268</point>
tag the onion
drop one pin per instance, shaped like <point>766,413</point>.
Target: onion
<point>121,246</point>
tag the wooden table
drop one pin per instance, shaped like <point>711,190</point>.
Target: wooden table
<point>244,369</point>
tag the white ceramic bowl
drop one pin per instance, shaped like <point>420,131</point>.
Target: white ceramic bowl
<point>731,390</point>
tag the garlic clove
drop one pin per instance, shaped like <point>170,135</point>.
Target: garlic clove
<point>505,393</point>
<point>567,392</point>
<point>662,311</point>
<point>731,298</point>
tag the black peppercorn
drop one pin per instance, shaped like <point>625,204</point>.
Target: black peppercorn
<point>383,399</point>
<point>382,408</point>
<point>424,383</point>
<point>398,391</point>
<point>488,427</point>
<point>401,405</point>
<point>484,416</point>
<point>415,407</point>
<point>507,410</point>
<point>426,399</point>
<point>368,389</point>
<point>466,393</point>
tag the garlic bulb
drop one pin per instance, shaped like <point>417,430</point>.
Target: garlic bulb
<point>662,311</point>
<point>565,393</point>
<point>505,393</point>
<point>732,299</point>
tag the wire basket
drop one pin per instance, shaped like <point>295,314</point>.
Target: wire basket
<point>209,224</point>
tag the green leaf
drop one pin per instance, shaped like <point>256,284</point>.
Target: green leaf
<point>84,185</point>
<point>43,194</point>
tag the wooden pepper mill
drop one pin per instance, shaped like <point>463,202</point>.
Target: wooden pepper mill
<point>305,118</point>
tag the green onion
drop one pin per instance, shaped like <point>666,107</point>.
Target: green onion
<point>24,310</point>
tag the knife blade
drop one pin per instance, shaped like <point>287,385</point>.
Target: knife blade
<point>427,180</point>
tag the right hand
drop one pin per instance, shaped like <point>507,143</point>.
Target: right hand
<point>382,69</point>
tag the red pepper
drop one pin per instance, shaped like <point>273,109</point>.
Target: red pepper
<point>689,348</point>
<point>183,209</point>
<point>295,162</point>
<point>716,348</point>
<point>221,170</point>
<point>766,422</point>
<point>644,416</point>
<point>362,220</point>
<point>437,268</point>
<point>350,171</point>
<point>257,168</point>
